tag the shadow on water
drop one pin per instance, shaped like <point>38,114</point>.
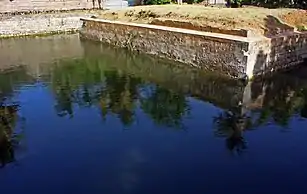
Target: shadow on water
<point>119,83</point>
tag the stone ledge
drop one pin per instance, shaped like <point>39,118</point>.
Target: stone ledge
<point>41,33</point>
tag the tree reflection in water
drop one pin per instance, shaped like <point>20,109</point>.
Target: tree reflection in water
<point>118,90</point>
<point>276,100</point>
<point>165,107</point>
<point>119,85</point>
<point>283,97</point>
<point>7,122</point>
<point>10,133</point>
<point>87,82</point>
<point>119,96</point>
<point>116,83</point>
<point>231,124</point>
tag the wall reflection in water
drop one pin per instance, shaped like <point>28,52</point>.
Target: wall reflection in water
<point>119,83</point>
<point>161,94</point>
<point>273,100</point>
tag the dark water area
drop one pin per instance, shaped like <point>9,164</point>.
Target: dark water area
<point>81,117</point>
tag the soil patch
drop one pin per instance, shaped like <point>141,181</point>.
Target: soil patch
<point>215,19</point>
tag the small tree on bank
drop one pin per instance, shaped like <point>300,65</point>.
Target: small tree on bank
<point>99,3</point>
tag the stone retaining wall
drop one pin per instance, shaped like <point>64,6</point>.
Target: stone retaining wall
<point>279,52</point>
<point>222,53</point>
<point>39,24</point>
<point>227,54</point>
<point>7,6</point>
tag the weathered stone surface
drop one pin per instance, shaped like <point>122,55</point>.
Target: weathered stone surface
<point>7,6</point>
<point>206,52</point>
<point>280,52</point>
<point>231,55</point>
<point>40,24</point>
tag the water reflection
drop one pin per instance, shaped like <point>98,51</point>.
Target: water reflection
<point>275,100</point>
<point>231,124</point>
<point>165,107</point>
<point>120,89</point>
<point>119,96</point>
<point>85,82</point>
<point>280,98</point>
<point>10,136</point>
<point>10,132</point>
<point>7,122</point>
<point>12,77</point>
<point>118,83</point>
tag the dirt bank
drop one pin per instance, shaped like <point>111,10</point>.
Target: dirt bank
<point>258,20</point>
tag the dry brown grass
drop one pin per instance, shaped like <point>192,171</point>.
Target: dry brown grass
<point>250,18</point>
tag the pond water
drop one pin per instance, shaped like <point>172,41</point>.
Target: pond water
<point>81,117</point>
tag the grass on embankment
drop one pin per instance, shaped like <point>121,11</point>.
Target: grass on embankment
<point>259,20</point>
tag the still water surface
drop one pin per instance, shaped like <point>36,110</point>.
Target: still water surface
<point>80,117</point>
